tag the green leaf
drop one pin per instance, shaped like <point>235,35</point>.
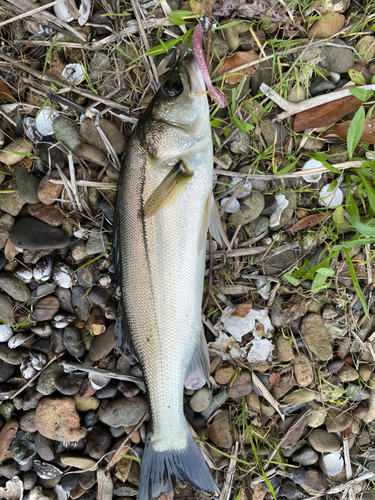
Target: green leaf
<point>318,281</point>
<point>322,158</point>
<point>243,126</point>
<point>355,283</point>
<point>353,243</point>
<point>291,280</point>
<point>338,216</point>
<point>325,271</point>
<point>216,122</point>
<point>373,80</point>
<point>356,77</point>
<point>178,17</point>
<point>361,94</point>
<point>288,168</point>
<point>355,130</point>
<point>364,229</point>
<point>218,142</point>
<point>227,132</point>
<point>324,263</point>
<point>49,53</point>
<point>351,206</point>
<point>165,46</point>
<point>369,191</point>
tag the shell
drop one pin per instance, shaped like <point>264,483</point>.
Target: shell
<point>62,12</point>
<point>62,275</point>
<point>233,207</point>
<point>330,199</point>
<point>73,73</point>
<point>44,120</point>
<point>313,178</point>
<point>24,274</point>
<point>43,269</point>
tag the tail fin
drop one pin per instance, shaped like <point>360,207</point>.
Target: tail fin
<point>161,470</point>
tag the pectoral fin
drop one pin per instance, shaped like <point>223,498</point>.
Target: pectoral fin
<point>179,174</point>
<point>214,223</point>
<point>198,372</point>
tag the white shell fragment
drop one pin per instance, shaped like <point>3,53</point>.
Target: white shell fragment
<point>256,321</point>
<point>44,121</point>
<point>246,187</point>
<point>260,351</point>
<point>312,178</point>
<point>282,203</point>
<point>84,10</point>
<point>226,347</point>
<point>330,199</point>
<point>233,206</point>
<point>62,276</point>
<point>73,73</point>
<point>333,463</point>
<point>31,130</point>
<point>62,12</point>
<point>5,333</point>
<point>214,246</point>
<point>98,381</point>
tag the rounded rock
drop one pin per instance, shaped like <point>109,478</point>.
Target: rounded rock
<point>323,441</point>
<point>303,370</point>
<point>48,192</point>
<point>67,132</point>
<point>99,441</point>
<point>327,26</point>
<point>124,411</point>
<point>316,337</point>
<point>46,308</point>
<point>33,234</point>
<point>90,134</point>
<point>49,214</point>
<point>27,185</point>
<point>201,399</point>
<point>249,210</point>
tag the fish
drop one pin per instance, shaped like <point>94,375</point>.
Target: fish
<point>163,209</point>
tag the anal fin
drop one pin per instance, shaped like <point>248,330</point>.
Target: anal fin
<point>198,372</point>
<point>214,223</point>
<point>179,174</point>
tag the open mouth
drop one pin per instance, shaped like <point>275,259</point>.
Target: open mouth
<point>196,82</point>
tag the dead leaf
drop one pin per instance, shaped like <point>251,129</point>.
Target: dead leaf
<point>259,493</point>
<point>242,310</point>
<point>368,135</point>
<point>327,114</point>
<point>294,308</point>
<point>300,396</point>
<point>294,433</point>
<point>274,379</point>
<point>238,59</point>
<point>258,9</point>
<point>5,93</point>
<point>310,221</point>
<point>10,250</point>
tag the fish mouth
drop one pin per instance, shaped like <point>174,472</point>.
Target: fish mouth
<point>196,82</point>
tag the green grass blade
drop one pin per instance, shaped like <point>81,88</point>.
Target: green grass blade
<point>355,283</point>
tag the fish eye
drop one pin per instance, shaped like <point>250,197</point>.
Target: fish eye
<point>172,88</point>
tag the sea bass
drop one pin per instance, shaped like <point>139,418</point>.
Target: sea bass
<point>164,205</point>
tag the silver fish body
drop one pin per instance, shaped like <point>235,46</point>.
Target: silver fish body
<point>162,259</point>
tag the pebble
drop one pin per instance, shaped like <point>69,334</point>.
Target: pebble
<point>21,145</point>
<point>5,333</point>
<point>328,26</point>
<point>316,337</point>
<point>27,422</point>
<point>57,419</point>
<point>102,344</point>
<point>27,185</point>
<point>338,420</point>
<point>67,132</point>
<point>11,203</point>
<point>49,214</point>
<point>219,399</point>
<point>43,329</point>
<point>107,491</point>
<point>33,234</point>
<point>320,85</point>
<point>99,441</point>
<point>317,418</point>
<point>315,482</point>
<point>43,447</point>
<point>79,462</point>
<point>46,308</point>
<point>98,296</point>
<point>90,134</point>
<point>14,287</point>
<point>52,155</point>
<point>123,411</point>
<point>201,399</point>
<point>80,297</point>
<point>366,48</point>
<point>87,276</point>
<point>87,480</point>
<point>95,243</point>
<point>20,445</point>
<point>258,226</point>
<point>371,402</point>
<point>365,371</point>
<point>99,63</point>
<point>73,341</point>
<point>69,481</point>
<point>12,356</point>
<point>220,431</point>
<point>323,441</point>
<point>6,308</point>
<point>241,386</point>
<point>285,352</point>
<point>298,474</point>
<point>225,374</point>
<point>6,371</point>
<point>303,370</point>
<point>348,374</point>
<point>109,391</point>
<point>7,434</point>
<point>48,192</point>
<point>240,143</point>
<point>306,456</point>
<point>336,59</point>
<point>30,479</point>
<point>47,380</point>
<point>70,384</point>
<point>87,403</point>
<point>9,469</point>
<point>6,225</point>
<point>329,312</point>
<point>250,209</point>
<point>287,489</point>
<point>96,322</point>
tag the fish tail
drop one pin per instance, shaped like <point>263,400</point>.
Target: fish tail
<point>161,470</point>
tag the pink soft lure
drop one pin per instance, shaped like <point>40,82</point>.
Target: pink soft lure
<point>218,96</point>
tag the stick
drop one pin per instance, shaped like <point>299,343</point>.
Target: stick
<point>100,371</point>
<point>348,465</point>
<point>229,476</point>
<point>30,13</point>
<point>293,108</point>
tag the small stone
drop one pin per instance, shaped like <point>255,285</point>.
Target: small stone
<point>68,482</point>
<point>98,296</point>
<point>123,411</point>
<point>270,205</point>
<point>250,209</point>
<point>6,225</point>
<point>79,462</point>
<point>317,418</point>
<point>240,143</point>
<point>6,309</point>
<point>47,380</point>
<point>285,351</point>
<point>87,479</point>
<point>88,275</point>
<point>14,287</point>
<point>6,371</point>
<point>73,341</point>
<point>297,94</point>
<point>275,482</point>
<point>9,154</point>
<point>225,374</point>
<point>7,434</point>
<point>201,399</point>
<point>323,441</point>
<point>123,467</point>
<point>348,374</point>
<point>96,322</point>
<point>33,234</point>
<point>10,469</point>
<point>87,403</point>
<point>12,356</point>
<point>337,59</point>
<point>242,385</point>
<point>338,420</point>
<point>328,26</point>
<point>52,155</point>
<point>220,431</point>
<point>100,62</point>
<point>258,226</point>
<point>298,474</point>
<point>27,422</point>
<point>316,337</point>
<point>27,185</point>
<point>30,479</point>
<point>365,48</point>
<point>57,419</point>
<point>102,344</point>
<point>90,134</point>
<point>220,46</point>
<point>303,370</point>
<point>43,447</point>
<point>99,441</point>
<point>90,153</point>
<point>360,412</point>
<point>20,445</point>
<point>80,297</point>
<point>5,333</point>
<point>365,371</point>
<point>287,489</point>
<point>11,203</point>
<point>67,132</point>
<point>70,384</point>
<point>49,214</point>
<point>46,309</point>
<point>319,85</point>
<point>315,482</point>
<point>48,192</point>
<point>306,456</point>
<point>107,491</point>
